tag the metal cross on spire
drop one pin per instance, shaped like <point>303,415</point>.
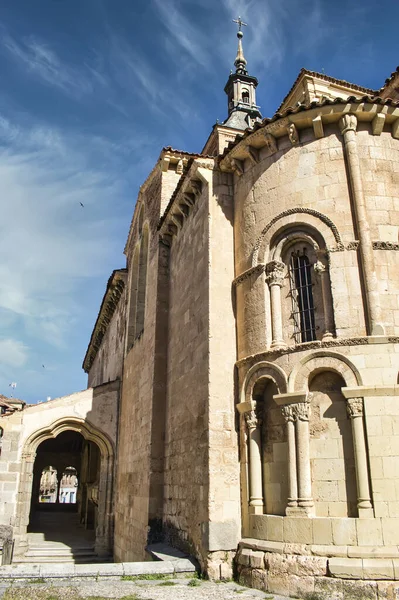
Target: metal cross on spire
<point>240,23</point>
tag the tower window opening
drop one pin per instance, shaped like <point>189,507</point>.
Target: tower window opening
<point>245,96</point>
<point>303,311</point>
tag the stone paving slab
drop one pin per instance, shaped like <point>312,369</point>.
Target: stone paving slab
<point>60,570</point>
<point>142,590</point>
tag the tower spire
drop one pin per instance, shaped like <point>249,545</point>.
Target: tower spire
<point>240,89</point>
<point>240,63</point>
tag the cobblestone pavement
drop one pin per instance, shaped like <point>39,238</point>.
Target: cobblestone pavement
<point>168,589</point>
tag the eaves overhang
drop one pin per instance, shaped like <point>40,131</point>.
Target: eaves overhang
<point>376,110</point>
<point>115,286</point>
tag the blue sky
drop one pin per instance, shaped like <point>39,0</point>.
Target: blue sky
<point>91,90</point>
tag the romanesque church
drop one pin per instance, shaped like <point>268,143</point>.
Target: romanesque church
<point>243,394</point>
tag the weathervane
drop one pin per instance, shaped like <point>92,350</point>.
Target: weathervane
<point>240,23</point>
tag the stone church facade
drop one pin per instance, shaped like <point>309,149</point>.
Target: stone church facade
<point>243,369</point>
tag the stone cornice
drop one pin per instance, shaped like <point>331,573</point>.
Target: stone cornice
<point>184,198</point>
<point>317,115</point>
<point>317,345</point>
<point>115,287</point>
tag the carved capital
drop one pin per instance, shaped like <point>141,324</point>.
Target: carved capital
<point>354,407</point>
<point>252,419</point>
<point>288,413</point>
<point>320,267</point>
<point>347,123</point>
<point>302,409</point>
<point>275,273</point>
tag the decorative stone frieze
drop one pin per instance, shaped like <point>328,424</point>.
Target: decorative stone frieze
<point>379,245</point>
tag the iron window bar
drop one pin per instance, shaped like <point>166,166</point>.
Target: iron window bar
<point>303,311</point>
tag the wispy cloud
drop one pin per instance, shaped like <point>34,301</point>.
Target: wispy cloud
<point>41,61</point>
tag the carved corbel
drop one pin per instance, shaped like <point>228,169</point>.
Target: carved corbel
<point>183,209</point>
<point>348,123</point>
<point>189,198</point>
<point>318,127</point>
<point>395,129</point>
<point>179,167</point>
<point>172,229</point>
<point>177,219</point>
<point>253,154</point>
<point>196,186</point>
<point>165,163</point>
<point>293,134</point>
<point>271,143</point>
<point>237,166</point>
<point>165,239</point>
<point>377,124</point>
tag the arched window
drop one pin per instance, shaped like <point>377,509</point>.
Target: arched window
<point>301,287</point>
<point>245,96</point>
<point>300,302</point>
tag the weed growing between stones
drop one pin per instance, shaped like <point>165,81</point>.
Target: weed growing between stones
<point>145,577</point>
<point>194,582</point>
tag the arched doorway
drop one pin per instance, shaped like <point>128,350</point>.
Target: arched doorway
<point>77,461</point>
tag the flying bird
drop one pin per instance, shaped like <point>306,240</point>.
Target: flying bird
<point>43,366</point>
<point>81,204</point>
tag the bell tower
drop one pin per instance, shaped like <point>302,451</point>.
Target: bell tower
<point>241,90</point>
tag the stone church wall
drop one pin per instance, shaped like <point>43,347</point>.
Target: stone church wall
<point>134,444</point>
<point>187,439</point>
<point>108,362</point>
<point>202,502</point>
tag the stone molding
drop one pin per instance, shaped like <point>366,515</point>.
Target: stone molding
<point>318,345</point>
<point>380,245</point>
<point>372,390</point>
<point>256,270</point>
<point>299,210</point>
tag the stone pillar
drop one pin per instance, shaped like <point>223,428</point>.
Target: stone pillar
<point>255,463</point>
<point>355,412</point>
<point>274,277</point>
<point>322,270</point>
<point>301,413</point>
<point>288,414</point>
<point>348,125</point>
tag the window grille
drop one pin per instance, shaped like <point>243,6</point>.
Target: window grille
<point>303,312</point>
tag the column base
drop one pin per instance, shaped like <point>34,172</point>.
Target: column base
<point>365,513</point>
<point>256,509</point>
<point>299,511</point>
<point>278,344</point>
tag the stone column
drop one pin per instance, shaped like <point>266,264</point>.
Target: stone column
<point>348,125</point>
<point>322,270</point>
<point>274,277</point>
<point>301,413</point>
<point>255,463</point>
<point>288,414</point>
<point>355,412</point>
